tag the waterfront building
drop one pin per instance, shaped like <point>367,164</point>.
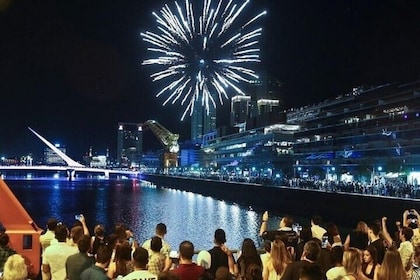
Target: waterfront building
<point>201,121</point>
<point>129,144</point>
<point>369,134</point>
<point>239,109</point>
<point>52,158</point>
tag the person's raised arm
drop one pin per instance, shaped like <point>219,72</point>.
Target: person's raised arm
<point>264,223</point>
<point>85,228</point>
<point>231,261</point>
<point>385,232</point>
<point>404,220</point>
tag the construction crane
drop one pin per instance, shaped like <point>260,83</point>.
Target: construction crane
<point>169,141</point>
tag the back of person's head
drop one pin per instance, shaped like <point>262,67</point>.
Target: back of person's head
<point>279,256</point>
<point>123,251</point>
<point>84,244</point>
<point>362,226</point>
<point>119,230</point>
<point>99,231</point>
<point>204,259</point>
<point>248,248</point>
<point>52,223</point>
<point>168,275</point>
<point>222,273</point>
<point>391,267</point>
<point>288,220</point>
<point>337,255</point>
<point>156,244</point>
<point>61,233</point>
<point>316,219</point>
<point>352,261</point>
<point>312,250</point>
<point>219,236</point>
<point>140,257</point>
<point>76,233</point>
<point>4,239</point>
<point>161,229</point>
<point>332,229</point>
<point>15,268</point>
<point>267,246</point>
<point>305,234</point>
<point>310,272</point>
<point>103,256</point>
<point>112,240</point>
<point>186,250</point>
<point>375,228</point>
<point>407,232</point>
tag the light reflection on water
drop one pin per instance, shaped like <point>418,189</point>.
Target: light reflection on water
<point>188,216</point>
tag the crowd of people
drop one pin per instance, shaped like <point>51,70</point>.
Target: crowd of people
<point>313,252</point>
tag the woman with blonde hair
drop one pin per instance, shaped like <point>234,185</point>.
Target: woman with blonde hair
<point>352,263</point>
<point>391,267</point>
<point>15,268</point>
<point>277,262</point>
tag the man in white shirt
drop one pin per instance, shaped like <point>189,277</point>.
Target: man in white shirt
<point>55,256</point>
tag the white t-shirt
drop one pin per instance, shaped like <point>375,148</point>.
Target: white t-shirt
<point>140,275</point>
<point>335,272</point>
<point>55,256</point>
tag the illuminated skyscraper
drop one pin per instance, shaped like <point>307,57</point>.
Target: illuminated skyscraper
<point>130,144</point>
<point>201,122</point>
<point>239,109</point>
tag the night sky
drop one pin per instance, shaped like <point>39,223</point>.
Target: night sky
<point>72,70</point>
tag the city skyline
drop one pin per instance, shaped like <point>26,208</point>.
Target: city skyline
<point>73,71</point>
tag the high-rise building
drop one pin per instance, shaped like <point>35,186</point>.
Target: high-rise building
<point>201,121</point>
<point>239,109</point>
<point>130,144</point>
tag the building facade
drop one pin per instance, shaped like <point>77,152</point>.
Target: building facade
<point>129,144</point>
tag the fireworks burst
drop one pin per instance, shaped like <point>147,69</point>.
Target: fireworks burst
<point>202,57</point>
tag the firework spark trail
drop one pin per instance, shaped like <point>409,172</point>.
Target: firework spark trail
<point>203,58</point>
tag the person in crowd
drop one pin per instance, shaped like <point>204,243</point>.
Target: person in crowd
<point>156,258</point>
<point>55,256</point>
<point>220,254</point>
<point>304,236</point>
<point>376,241</point>
<point>15,268</point>
<point>222,273</point>
<point>277,262</point>
<point>370,262</point>
<point>415,270</point>
<point>168,275</point>
<point>76,233</point>
<point>334,238</point>
<point>98,270</point>
<point>140,259</point>
<point>311,252</point>
<point>406,249</point>
<point>391,267</point>
<point>337,260</point>
<point>98,239</point>
<point>352,263</point>
<point>5,250</point>
<point>312,272</point>
<point>249,257</point>
<point>122,264</point>
<point>112,244</point>
<point>161,231</point>
<point>45,240</point>
<point>266,255</point>
<point>358,238</point>
<point>324,259</point>
<point>187,269</point>
<point>77,263</point>
<point>204,260</point>
<point>284,232</point>
<point>317,230</point>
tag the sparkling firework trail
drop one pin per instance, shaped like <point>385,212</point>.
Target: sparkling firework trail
<point>201,57</point>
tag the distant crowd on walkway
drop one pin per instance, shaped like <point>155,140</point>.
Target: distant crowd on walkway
<point>314,252</point>
<point>393,188</point>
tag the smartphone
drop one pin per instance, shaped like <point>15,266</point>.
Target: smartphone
<point>324,241</point>
<point>130,240</point>
<point>77,217</point>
